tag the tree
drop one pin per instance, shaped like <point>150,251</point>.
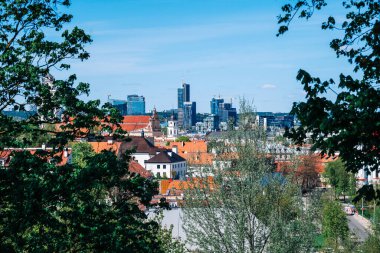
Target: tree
<point>82,152</point>
<point>245,206</point>
<point>91,205</point>
<point>334,224</point>
<point>350,124</point>
<point>71,208</point>
<point>342,181</point>
<point>27,55</point>
<point>182,139</point>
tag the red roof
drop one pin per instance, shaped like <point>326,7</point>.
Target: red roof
<point>133,123</point>
<point>135,167</point>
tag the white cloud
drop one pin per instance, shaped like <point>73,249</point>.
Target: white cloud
<point>268,86</point>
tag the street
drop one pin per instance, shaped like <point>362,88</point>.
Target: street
<point>359,226</point>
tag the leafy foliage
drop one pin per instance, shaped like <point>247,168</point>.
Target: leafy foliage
<point>92,205</point>
<point>350,124</point>
<point>81,153</point>
<point>246,206</point>
<point>182,139</point>
<point>342,181</point>
<point>27,55</point>
<point>334,224</point>
<point>68,208</point>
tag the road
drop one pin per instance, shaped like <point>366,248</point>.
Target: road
<point>359,226</point>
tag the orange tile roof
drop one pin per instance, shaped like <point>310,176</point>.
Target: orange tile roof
<point>135,119</point>
<point>190,146</point>
<point>135,167</point>
<point>133,123</point>
<point>100,146</point>
<point>169,184</point>
<point>195,152</point>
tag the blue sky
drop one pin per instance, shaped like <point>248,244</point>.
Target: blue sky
<point>220,47</point>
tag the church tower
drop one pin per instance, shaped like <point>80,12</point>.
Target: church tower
<point>172,127</point>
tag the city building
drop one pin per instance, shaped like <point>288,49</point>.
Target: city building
<point>186,92</point>
<point>167,164</point>
<point>186,110</point>
<point>135,105</point>
<point>214,105</point>
<point>180,98</point>
<point>172,127</point>
<point>119,104</point>
<point>270,121</point>
<point>189,114</point>
<point>227,113</point>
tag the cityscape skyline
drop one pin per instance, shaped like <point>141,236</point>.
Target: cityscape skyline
<point>222,48</point>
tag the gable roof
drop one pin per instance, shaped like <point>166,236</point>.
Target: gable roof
<point>166,157</point>
<point>142,145</point>
<point>105,145</point>
<point>135,167</point>
<point>134,123</point>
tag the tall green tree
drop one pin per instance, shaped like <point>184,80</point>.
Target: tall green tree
<point>342,181</point>
<point>93,206</point>
<point>334,224</point>
<point>81,153</point>
<point>350,123</point>
<point>245,206</point>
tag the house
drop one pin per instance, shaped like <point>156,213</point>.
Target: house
<point>136,124</point>
<point>142,149</point>
<point>167,164</point>
<point>59,158</point>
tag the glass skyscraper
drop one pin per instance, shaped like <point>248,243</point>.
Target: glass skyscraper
<point>119,104</point>
<point>214,105</point>
<point>135,105</point>
<point>180,98</point>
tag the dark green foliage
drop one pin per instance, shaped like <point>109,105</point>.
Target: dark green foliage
<point>81,153</point>
<point>182,139</point>
<point>342,181</point>
<point>334,224</point>
<point>49,208</point>
<point>91,205</point>
<point>27,54</point>
<point>350,124</point>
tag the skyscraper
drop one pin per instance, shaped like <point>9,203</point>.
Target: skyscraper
<point>186,92</point>
<point>190,114</point>
<point>119,104</point>
<point>214,105</point>
<point>180,98</point>
<point>135,105</point>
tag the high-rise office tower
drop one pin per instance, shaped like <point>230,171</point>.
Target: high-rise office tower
<point>186,92</point>
<point>119,104</point>
<point>180,98</point>
<point>189,114</point>
<point>214,105</point>
<point>226,113</point>
<point>135,105</point>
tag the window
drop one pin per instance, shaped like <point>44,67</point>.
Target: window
<point>158,166</point>
<point>164,175</point>
<point>158,174</point>
<point>164,166</point>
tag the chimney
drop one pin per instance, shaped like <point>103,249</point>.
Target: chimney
<point>110,142</point>
<point>175,149</point>
<point>142,133</point>
<point>43,146</point>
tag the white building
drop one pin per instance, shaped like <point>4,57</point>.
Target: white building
<point>167,164</point>
<point>172,127</point>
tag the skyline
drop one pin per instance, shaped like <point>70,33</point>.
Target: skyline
<point>226,48</point>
